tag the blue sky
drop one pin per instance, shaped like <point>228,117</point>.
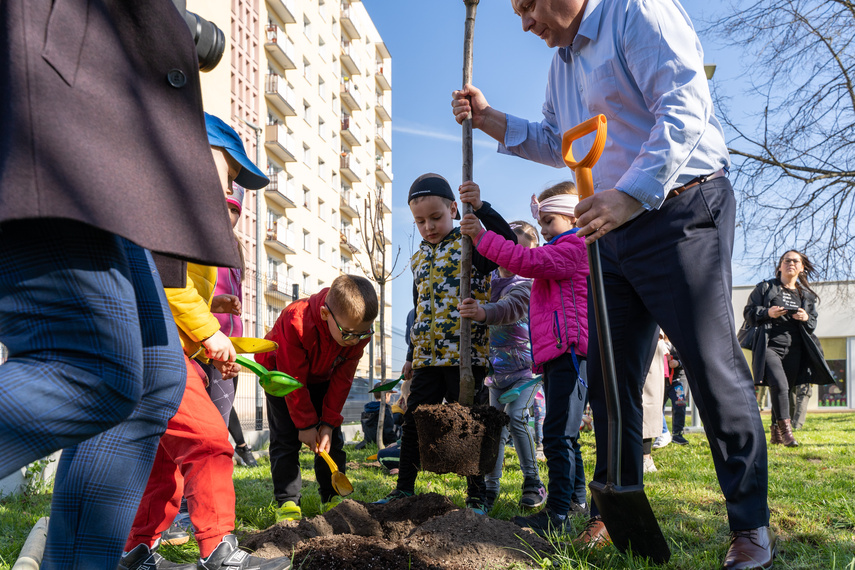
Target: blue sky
<point>425,40</point>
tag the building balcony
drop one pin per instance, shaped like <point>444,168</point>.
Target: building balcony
<point>350,132</point>
<point>349,244</point>
<point>281,191</point>
<point>346,170</point>
<point>348,203</point>
<point>280,48</point>
<point>350,95</point>
<point>279,288</point>
<point>383,170</point>
<point>280,143</point>
<point>280,95</point>
<point>347,23</point>
<point>350,59</point>
<point>380,108</point>
<point>382,140</point>
<point>284,10</point>
<point>281,240</point>
<point>383,80</point>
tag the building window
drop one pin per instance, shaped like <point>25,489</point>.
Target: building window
<point>322,128</point>
<point>307,112</point>
<point>307,154</point>
<point>322,89</point>
<point>307,70</point>
<point>306,285</point>
<point>307,198</point>
<point>322,169</point>
<point>307,241</point>
<point>307,27</point>
<point>322,251</point>
<point>322,209</point>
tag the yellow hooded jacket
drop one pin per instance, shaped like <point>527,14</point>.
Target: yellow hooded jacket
<point>191,307</point>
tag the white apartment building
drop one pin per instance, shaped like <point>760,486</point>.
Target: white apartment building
<point>310,82</point>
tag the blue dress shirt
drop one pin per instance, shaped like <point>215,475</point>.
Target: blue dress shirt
<point>640,63</point>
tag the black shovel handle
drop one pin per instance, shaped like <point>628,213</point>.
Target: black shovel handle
<point>607,361</point>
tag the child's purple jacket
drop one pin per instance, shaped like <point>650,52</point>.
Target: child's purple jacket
<point>558,315</point>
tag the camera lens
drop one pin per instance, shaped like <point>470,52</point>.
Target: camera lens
<point>209,39</point>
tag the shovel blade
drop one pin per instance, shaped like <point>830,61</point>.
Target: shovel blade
<point>630,520</point>
<point>509,396</point>
<point>387,386</point>
<point>341,484</point>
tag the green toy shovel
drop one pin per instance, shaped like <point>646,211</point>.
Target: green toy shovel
<point>512,395</point>
<point>273,382</point>
<point>387,386</point>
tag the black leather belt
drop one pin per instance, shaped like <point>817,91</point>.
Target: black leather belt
<point>695,181</point>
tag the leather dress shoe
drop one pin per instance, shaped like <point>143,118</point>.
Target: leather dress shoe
<point>751,549</point>
<point>595,535</point>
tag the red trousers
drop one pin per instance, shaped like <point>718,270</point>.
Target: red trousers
<point>194,459</point>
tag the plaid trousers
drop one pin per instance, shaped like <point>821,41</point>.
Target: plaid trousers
<point>95,368</point>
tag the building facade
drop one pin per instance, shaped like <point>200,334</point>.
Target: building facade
<point>307,85</point>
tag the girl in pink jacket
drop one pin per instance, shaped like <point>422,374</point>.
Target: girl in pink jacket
<point>558,318</point>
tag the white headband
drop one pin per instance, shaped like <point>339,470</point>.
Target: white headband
<point>564,204</point>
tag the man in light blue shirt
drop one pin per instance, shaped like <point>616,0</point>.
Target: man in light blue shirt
<point>663,211</point>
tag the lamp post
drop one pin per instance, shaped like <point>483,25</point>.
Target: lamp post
<point>259,248</point>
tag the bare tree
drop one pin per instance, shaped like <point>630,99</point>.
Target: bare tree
<point>376,248</point>
<point>794,158</point>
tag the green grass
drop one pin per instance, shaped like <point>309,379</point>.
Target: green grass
<point>810,496</point>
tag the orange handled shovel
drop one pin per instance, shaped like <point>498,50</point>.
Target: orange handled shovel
<point>626,511</point>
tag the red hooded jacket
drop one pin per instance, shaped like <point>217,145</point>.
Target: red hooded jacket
<point>308,352</point>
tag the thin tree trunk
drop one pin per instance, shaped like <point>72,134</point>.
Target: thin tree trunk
<point>467,379</point>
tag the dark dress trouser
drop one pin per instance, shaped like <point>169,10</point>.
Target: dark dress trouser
<point>95,367</point>
<point>671,267</point>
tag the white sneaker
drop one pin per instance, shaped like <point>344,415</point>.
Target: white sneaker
<point>662,440</point>
<point>649,466</point>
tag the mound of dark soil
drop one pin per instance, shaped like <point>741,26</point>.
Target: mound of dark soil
<point>450,434</point>
<point>424,532</point>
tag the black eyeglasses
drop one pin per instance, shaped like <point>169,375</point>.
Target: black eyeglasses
<point>346,336</point>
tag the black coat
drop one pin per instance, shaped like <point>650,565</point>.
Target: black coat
<point>813,368</point>
<point>101,122</point>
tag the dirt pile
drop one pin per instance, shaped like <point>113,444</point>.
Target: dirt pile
<point>425,532</point>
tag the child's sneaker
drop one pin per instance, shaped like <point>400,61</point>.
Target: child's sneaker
<point>289,511</point>
<point>334,501</point>
<point>543,522</point>
<point>533,495</point>
<point>175,535</point>
<point>578,509</point>
<point>478,506</point>
<point>679,439</point>
<point>393,496</point>
<point>245,457</point>
<point>144,558</point>
<point>227,556</point>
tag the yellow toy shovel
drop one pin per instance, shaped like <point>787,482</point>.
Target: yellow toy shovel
<point>340,482</point>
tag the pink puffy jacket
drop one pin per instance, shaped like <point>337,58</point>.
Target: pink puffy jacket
<point>558,314</point>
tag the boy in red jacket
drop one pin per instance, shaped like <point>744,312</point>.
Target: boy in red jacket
<point>321,340</point>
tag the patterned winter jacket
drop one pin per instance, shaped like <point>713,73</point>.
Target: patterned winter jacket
<point>435,336</point>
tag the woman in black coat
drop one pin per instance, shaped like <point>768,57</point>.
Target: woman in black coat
<point>785,350</point>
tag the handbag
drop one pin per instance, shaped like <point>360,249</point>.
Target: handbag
<point>746,335</point>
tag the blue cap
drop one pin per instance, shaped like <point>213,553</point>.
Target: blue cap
<point>222,135</point>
